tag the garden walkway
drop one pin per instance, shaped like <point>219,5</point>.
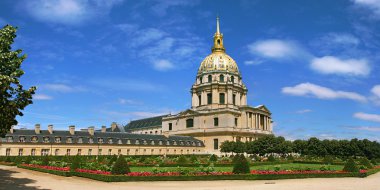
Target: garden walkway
<point>16,178</point>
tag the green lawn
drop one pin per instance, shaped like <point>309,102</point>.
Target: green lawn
<point>290,166</point>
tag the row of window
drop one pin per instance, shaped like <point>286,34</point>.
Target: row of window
<point>109,141</point>
<point>45,152</point>
<point>221,99</point>
<point>190,123</point>
<point>221,79</point>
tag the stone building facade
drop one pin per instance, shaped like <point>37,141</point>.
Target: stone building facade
<point>218,113</point>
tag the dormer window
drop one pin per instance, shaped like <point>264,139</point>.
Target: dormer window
<point>90,140</point>
<point>9,139</point>
<point>119,141</point>
<point>174,143</point>
<point>46,139</point>
<point>160,142</point>
<point>137,141</point>
<point>151,142</point>
<point>69,140</point>
<point>34,139</point>
<point>110,141</point>
<point>58,139</point>
<point>22,139</point>
<point>128,141</point>
<point>80,140</point>
<point>100,140</point>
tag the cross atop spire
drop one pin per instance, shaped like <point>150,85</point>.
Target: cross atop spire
<point>217,25</point>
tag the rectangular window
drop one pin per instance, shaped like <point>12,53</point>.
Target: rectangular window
<point>89,152</point>
<point>234,99</point>
<point>20,151</point>
<point>8,152</point>
<point>170,126</point>
<point>200,100</point>
<point>119,152</point>
<point>221,98</point>
<point>79,152</point>
<point>44,152</point>
<point>56,152</point>
<point>68,152</point>
<point>33,152</point>
<point>209,98</point>
<point>109,151</point>
<point>189,123</point>
<point>236,121</point>
<point>100,152</point>
<point>216,121</point>
<point>216,144</point>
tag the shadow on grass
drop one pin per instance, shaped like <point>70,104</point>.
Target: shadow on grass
<point>7,182</point>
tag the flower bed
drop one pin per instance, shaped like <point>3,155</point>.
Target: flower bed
<point>287,172</point>
<point>62,171</point>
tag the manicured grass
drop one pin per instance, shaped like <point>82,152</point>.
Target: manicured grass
<point>289,166</point>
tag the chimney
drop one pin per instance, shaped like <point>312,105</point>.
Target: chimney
<point>104,128</point>
<point>91,130</point>
<point>50,129</point>
<point>72,129</point>
<point>37,128</point>
<point>11,130</point>
<point>113,126</point>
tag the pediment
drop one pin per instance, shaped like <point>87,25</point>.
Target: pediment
<point>187,112</point>
<point>262,108</point>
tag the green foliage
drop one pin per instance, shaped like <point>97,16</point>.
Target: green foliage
<point>271,158</point>
<point>8,159</point>
<point>112,160</point>
<point>213,158</point>
<point>28,160</point>
<point>290,157</point>
<point>350,166</point>
<point>373,162</point>
<point>120,167</point>
<point>182,160</point>
<point>75,164</point>
<point>193,159</point>
<point>328,159</point>
<point>13,97</point>
<point>241,165</point>
<point>45,161</point>
<point>365,162</point>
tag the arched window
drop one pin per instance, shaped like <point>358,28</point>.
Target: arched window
<point>218,42</point>
<point>189,123</point>
<point>209,78</point>
<point>232,79</point>
<point>200,80</point>
<point>221,78</point>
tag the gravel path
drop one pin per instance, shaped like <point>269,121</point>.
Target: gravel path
<point>16,178</point>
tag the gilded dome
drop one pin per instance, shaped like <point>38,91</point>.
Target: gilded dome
<point>218,61</point>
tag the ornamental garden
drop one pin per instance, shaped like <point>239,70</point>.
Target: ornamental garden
<point>274,158</point>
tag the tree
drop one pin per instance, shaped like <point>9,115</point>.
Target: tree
<point>120,167</point>
<point>241,165</point>
<point>14,97</point>
<point>75,163</point>
<point>350,166</point>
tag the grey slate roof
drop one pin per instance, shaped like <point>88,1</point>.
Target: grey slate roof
<point>145,123</point>
<point>121,138</point>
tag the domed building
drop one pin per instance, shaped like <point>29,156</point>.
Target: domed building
<point>219,110</point>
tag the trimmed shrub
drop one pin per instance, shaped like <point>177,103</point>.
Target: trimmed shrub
<point>271,158</point>
<point>112,160</point>
<point>213,158</point>
<point>120,167</point>
<point>365,162</point>
<point>45,160</point>
<point>328,159</point>
<point>193,159</point>
<point>350,166</point>
<point>241,165</point>
<point>28,160</point>
<point>182,160</point>
<point>75,163</point>
<point>373,162</point>
<point>8,159</point>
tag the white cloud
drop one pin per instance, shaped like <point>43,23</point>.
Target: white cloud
<point>274,48</point>
<point>373,5</point>
<point>253,62</point>
<point>129,102</point>
<point>365,128</point>
<point>163,65</point>
<point>375,95</point>
<point>161,7</point>
<point>61,88</point>
<point>367,116</point>
<point>334,65</point>
<point>340,38</point>
<point>68,11</point>
<point>42,97</point>
<point>312,90</point>
<point>304,111</point>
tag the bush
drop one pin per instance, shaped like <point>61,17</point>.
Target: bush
<point>365,162</point>
<point>45,160</point>
<point>351,166</point>
<point>373,162</point>
<point>8,159</point>
<point>120,167</point>
<point>28,160</point>
<point>290,157</point>
<point>75,163</point>
<point>182,160</point>
<point>112,160</point>
<point>213,158</point>
<point>271,158</point>
<point>193,159</point>
<point>241,165</point>
<point>328,160</point>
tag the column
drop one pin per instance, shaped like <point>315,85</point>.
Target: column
<point>259,121</point>
<point>256,121</point>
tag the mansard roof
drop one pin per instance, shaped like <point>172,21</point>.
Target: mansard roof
<point>145,123</point>
<point>107,138</point>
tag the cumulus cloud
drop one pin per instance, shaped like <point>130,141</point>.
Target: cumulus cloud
<point>275,48</point>
<point>312,90</point>
<point>68,11</point>
<point>367,117</point>
<point>375,95</point>
<point>61,88</point>
<point>42,97</point>
<point>334,65</point>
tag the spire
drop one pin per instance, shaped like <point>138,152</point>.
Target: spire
<point>218,39</point>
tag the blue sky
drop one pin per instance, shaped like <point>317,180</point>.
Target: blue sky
<point>314,64</point>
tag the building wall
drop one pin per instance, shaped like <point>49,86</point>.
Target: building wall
<point>154,130</point>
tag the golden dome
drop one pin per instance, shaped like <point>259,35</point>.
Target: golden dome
<point>218,61</point>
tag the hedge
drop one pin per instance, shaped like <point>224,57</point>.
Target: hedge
<point>316,162</point>
<point>55,172</point>
<point>8,163</point>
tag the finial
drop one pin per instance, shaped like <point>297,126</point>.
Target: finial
<point>217,25</point>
